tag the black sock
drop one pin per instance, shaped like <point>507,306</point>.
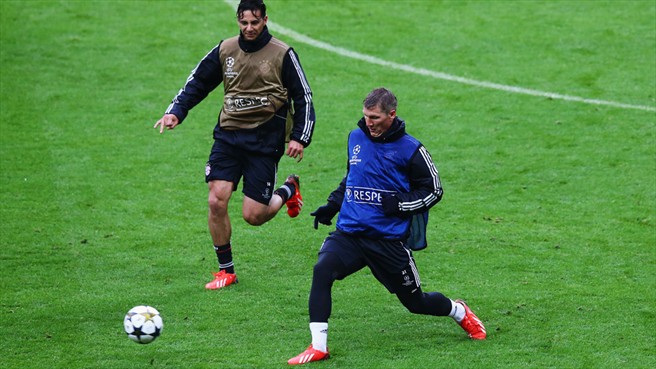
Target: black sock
<point>285,191</point>
<point>224,254</point>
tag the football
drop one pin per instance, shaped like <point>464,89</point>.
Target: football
<point>143,324</point>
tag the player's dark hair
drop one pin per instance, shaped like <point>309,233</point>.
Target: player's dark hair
<point>251,5</point>
<point>381,97</point>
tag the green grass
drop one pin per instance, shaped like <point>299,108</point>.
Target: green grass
<point>547,227</point>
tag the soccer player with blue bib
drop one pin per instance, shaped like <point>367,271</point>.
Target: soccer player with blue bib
<point>383,204</point>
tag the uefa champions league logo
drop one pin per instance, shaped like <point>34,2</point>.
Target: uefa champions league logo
<point>354,159</point>
<point>229,73</point>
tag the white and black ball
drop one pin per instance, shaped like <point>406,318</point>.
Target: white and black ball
<point>143,324</point>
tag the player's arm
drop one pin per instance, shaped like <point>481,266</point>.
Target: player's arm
<point>299,91</point>
<point>337,196</point>
<point>425,185</point>
<point>203,79</point>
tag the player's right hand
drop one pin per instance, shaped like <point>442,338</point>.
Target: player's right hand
<point>168,121</point>
<point>325,214</point>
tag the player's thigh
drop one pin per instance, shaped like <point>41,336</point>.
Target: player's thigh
<point>219,193</point>
<point>224,164</point>
<point>345,248</point>
<point>260,173</point>
<point>254,210</point>
<point>393,265</point>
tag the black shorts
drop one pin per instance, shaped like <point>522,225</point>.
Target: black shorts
<point>230,163</point>
<point>251,153</point>
<point>391,262</point>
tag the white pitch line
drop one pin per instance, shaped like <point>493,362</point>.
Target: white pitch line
<point>439,75</point>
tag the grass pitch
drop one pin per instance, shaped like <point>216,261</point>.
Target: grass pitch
<point>547,227</point>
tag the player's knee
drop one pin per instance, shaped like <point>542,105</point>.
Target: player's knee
<point>321,269</point>
<point>218,198</point>
<point>415,308</point>
<point>254,219</point>
<point>255,215</point>
<point>213,202</point>
<point>217,206</point>
<point>415,304</point>
<point>327,268</point>
<point>322,277</point>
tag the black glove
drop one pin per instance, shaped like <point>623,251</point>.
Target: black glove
<point>324,214</point>
<point>390,205</point>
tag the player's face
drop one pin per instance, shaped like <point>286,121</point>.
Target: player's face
<point>377,121</point>
<point>251,24</point>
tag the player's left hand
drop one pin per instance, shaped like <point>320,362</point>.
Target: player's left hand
<point>295,150</point>
<point>390,205</point>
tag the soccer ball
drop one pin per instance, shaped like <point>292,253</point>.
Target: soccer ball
<point>143,324</point>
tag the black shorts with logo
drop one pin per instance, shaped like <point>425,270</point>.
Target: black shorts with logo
<point>391,262</point>
<point>253,154</point>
